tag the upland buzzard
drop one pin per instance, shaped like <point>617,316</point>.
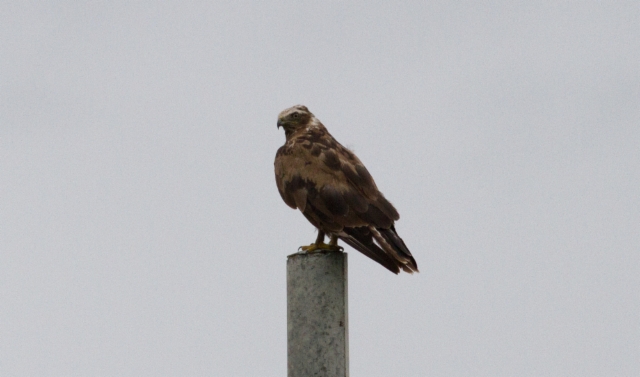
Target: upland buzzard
<point>336,193</point>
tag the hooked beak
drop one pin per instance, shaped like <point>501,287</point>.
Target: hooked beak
<point>280,123</point>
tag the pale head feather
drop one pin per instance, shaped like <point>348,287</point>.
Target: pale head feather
<point>299,108</point>
<point>305,119</point>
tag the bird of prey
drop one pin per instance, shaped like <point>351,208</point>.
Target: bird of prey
<point>336,193</point>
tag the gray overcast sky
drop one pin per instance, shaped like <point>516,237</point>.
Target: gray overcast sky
<point>141,232</point>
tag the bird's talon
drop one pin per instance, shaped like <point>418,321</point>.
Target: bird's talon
<point>318,248</point>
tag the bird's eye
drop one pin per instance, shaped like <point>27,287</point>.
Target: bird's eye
<point>294,115</point>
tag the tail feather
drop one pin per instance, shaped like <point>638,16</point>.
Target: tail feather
<point>388,249</point>
<point>392,237</point>
<point>362,240</point>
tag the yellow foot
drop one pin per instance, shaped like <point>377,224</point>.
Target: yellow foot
<point>316,248</point>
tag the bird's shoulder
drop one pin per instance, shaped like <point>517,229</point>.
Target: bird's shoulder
<point>315,148</point>
<point>313,154</point>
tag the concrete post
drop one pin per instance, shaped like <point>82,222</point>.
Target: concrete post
<point>317,316</point>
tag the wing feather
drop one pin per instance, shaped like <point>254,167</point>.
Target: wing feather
<point>300,198</point>
<point>334,200</point>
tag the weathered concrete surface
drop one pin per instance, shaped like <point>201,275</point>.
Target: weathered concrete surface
<point>317,315</point>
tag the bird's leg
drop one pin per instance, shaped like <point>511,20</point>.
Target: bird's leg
<point>319,245</point>
<point>333,243</point>
<point>316,246</point>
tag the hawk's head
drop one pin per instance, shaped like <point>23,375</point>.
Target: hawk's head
<point>294,118</point>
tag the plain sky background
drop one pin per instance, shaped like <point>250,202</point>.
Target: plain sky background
<point>141,232</point>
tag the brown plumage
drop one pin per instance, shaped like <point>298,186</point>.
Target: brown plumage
<point>336,193</point>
